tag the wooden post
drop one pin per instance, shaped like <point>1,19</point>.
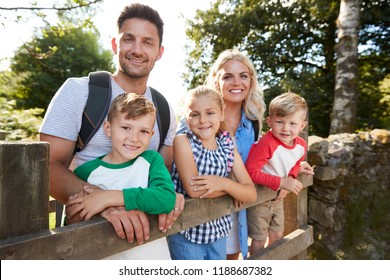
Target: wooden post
<point>290,213</point>
<point>295,207</point>
<point>24,188</point>
<point>295,210</point>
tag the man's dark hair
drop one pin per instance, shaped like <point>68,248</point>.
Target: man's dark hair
<point>141,11</point>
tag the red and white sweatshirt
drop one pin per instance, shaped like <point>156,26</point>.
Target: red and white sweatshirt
<point>269,160</point>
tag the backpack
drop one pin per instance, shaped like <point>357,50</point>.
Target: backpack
<point>98,103</point>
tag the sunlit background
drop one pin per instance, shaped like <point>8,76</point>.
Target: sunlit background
<point>166,76</point>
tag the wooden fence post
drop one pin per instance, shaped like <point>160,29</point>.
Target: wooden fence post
<point>24,188</point>
<point>295,215</point>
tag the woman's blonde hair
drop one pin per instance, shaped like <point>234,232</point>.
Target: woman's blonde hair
<point>253,104</point>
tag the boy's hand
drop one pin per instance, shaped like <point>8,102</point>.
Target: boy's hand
<point>282,194</point>
<point>291,184</point>
<point>306,168</point>
<point>88,205</point>
<point>72,215</point>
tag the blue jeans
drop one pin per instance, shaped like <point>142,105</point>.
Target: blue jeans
<point>183,249</point>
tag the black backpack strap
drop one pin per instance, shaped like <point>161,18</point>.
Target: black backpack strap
<point>98,102</point>
<point>255,125</point>
<point>163,114</point>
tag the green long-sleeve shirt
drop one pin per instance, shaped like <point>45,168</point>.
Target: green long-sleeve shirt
<point>145,181</point>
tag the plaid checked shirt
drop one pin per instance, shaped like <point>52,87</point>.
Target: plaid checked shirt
<point>209,162</point>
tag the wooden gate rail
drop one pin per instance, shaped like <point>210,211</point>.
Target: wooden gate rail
<point>24,233</point>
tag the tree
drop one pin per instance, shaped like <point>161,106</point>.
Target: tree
<point>292,46</point>
<point>373,110</point>
<point>48,60</point>
<point>343,118</point>
<point>68,5</point>
<point>64,44</point>
<point>60,16</point>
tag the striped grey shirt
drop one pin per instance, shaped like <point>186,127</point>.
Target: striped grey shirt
<point>63,120</point>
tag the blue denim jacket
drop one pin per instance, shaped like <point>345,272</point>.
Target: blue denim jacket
<point>245,137</point>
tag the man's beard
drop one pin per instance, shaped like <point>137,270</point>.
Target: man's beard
<point>134,72</point>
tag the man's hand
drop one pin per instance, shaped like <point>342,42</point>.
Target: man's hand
<point>165,221</point>
<point>128,224</point>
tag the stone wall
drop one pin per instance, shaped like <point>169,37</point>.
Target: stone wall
<point>349,202</point>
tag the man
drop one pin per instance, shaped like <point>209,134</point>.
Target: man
<point>138,45</point>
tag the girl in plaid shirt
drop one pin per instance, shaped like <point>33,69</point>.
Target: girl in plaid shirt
<point>214,159</point>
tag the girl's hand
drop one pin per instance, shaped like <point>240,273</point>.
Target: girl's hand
<point>208,183</point>
<point>238,204</point>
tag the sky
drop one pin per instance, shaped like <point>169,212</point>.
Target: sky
<point>166,75</point>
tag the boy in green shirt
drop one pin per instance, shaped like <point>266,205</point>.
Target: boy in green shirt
<point>130,175</point>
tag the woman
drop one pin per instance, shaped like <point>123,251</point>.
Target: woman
<point>235,77</point>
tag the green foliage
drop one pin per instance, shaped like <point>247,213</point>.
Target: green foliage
<point>374,97</point>
<point>66,45</point>
<point>78,12</point>
<point>18,124</point>
<point>52,57</point>
<point>292,45</point>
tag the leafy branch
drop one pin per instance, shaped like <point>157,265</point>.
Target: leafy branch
<point>73,7</point>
